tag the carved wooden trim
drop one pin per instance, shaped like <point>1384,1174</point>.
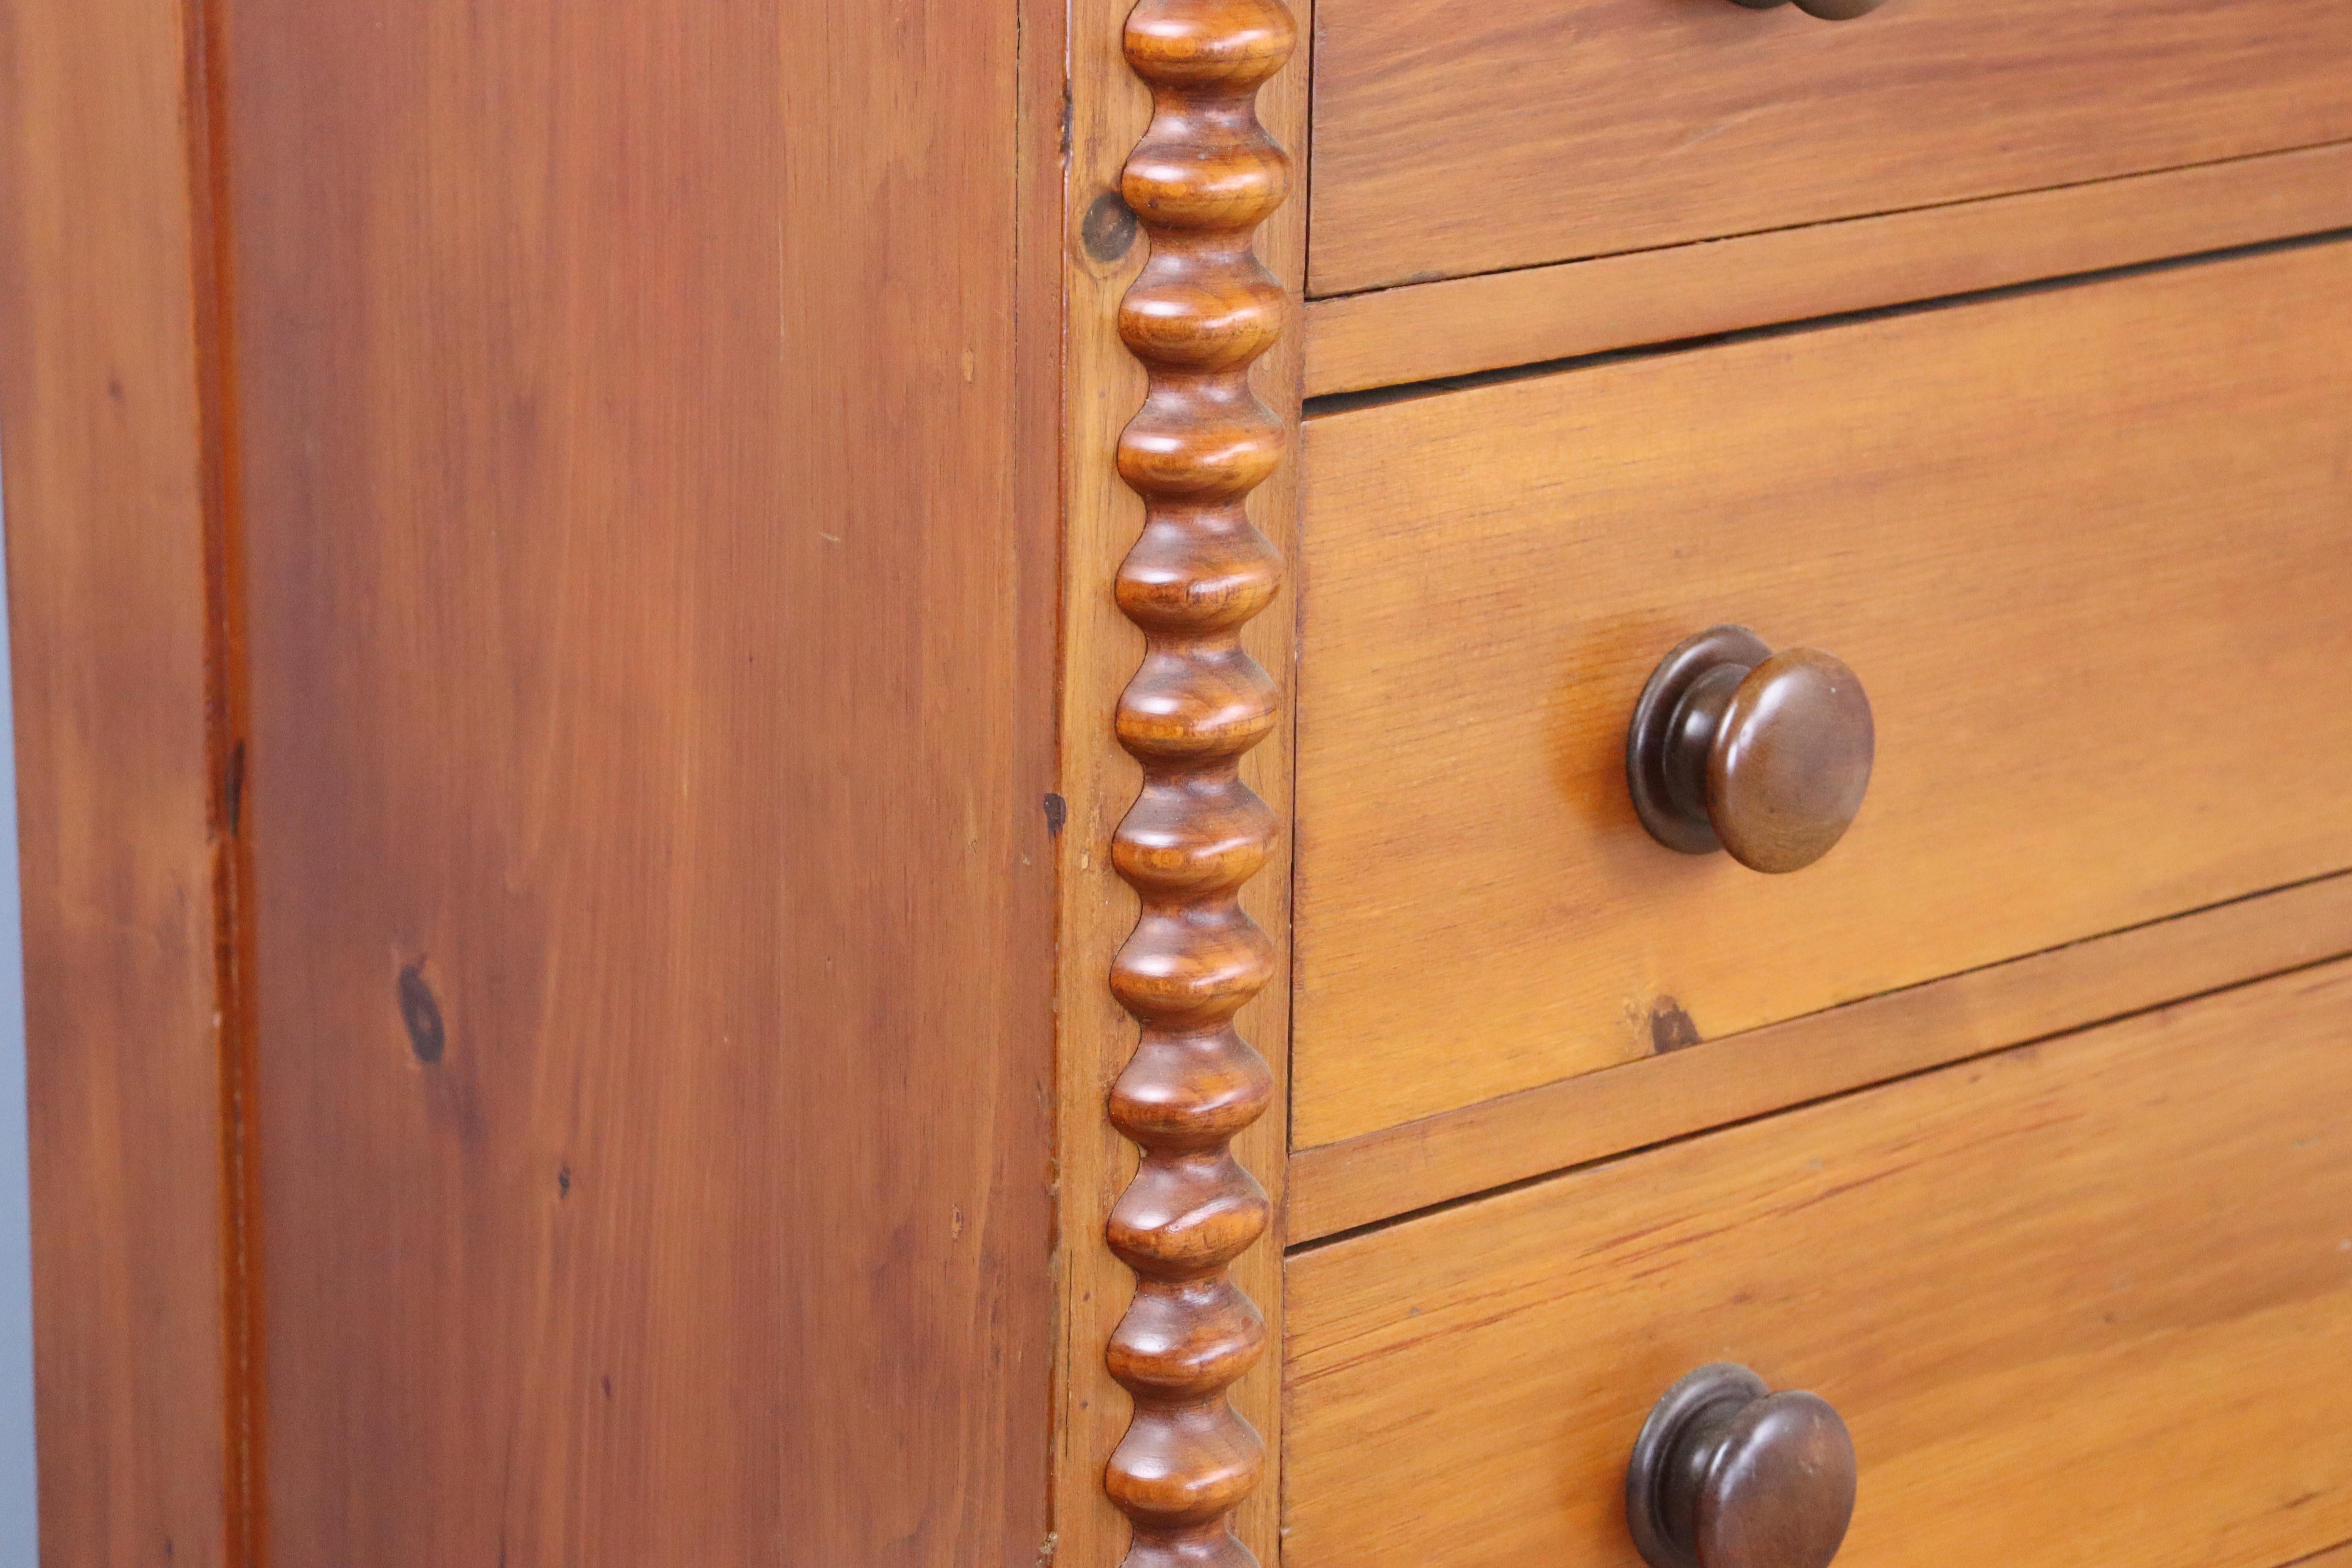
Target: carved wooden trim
<point>1206,175</point>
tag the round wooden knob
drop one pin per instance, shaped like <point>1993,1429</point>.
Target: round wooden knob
<point>1827,10</point>
<point>1736,747</point>
<point>1728,1474</point>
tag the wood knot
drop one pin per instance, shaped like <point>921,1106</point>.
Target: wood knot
<point>1671,1028</point>
<point>420,1013</point>
<point>1108,230</point>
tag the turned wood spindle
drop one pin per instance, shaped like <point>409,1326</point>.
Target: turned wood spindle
<point>1201,311</point>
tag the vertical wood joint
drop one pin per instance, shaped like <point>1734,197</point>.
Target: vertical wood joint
<point>1202,309</point>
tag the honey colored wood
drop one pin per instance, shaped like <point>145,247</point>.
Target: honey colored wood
<point>1424,330</point>
<point>125,849</point>
<point>1450,143</point>
<point>1340,1186</point>
<point>1202,309</point>
<point>1104,386</point>
<point>2083,546</point>
<point>651,559</point>
<point>2083,1303</point>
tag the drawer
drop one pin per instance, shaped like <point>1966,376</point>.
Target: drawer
<point>2088,549</point>
<point>2086,1303</point>
<point>1452,140</point>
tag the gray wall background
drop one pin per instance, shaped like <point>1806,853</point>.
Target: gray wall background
<point>18,1536</point>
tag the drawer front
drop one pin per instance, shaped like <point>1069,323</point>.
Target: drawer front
<point>2087,1303</point>
<point>2089,551</point>
<point>1452,140</point>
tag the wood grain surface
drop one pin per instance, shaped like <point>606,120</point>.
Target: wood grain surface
<point>1358,1181</point>
<point>1203,309</point>
<point>2084,547</point>
<point>1103,387</point>
<point>1452,141</point>
<point>2083,1303</point>
<point>1424,330</point>
<point>125,845</point>
<point>651,550</point>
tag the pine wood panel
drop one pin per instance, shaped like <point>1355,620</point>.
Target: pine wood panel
<point>2084,547</point>
<point>1378,1175</point>
<point>651,550</point>
<point>1104,386</point>
<point>1458,326</point>
<point>124,856</point>
<point>1451,141</point>
<point>2083,1303</point>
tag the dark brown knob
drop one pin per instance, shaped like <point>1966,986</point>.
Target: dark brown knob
<point>1827,10</point>
<point>1728,1474</point>
<point>1736,747</point>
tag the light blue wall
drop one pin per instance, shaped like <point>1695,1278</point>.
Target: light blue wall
<point>19,1539</point>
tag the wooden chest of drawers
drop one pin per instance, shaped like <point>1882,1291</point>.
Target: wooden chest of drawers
<point>2073,1298</point>
<point>2083,548</point>
<point>1452,141</point>
<point>935,786</point>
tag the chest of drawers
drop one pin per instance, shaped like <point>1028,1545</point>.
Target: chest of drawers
<point>976,782</point>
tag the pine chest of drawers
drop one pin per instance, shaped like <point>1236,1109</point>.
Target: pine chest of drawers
<point>1381,786</point>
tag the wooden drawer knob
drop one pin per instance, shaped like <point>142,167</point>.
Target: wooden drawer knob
<point>1827,10</point>
<point>1736,747</point>
<point>1728,1474</point>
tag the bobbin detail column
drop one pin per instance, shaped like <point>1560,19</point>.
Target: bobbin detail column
<point>1203,309</point>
